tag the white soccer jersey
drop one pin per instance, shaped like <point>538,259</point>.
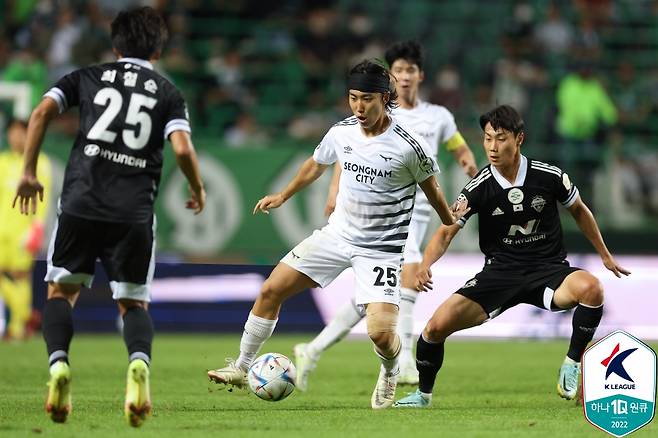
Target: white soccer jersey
<point>436,125</point>
<point>378,183</point>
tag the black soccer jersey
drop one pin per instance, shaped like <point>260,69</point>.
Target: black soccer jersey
<point>520,223</point>
<point>127,110</point>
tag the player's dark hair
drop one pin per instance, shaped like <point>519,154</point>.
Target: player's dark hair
<point>139,33</point>
<point>377,69</point>
<point>411,51</point>
<point>503,117</point>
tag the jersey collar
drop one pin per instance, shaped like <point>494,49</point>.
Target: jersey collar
<point>144,63</point>
<point>520,175</point>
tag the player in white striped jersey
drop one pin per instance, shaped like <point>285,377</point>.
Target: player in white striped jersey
<point>525,261</point>
<point>436,125</point>
<point>383,163</point>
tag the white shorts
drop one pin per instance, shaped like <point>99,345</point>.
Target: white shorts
<point>323,256</point>
<point>413,247</point>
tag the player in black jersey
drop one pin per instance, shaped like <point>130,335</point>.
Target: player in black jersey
<point>127,110</point>
<point>521,238</point>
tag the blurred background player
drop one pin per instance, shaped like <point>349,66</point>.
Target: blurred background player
<point>110,185</point>
<point>21,237</point>
<point>437,126</point>
<point>525,259</point>
<point>383,164</point>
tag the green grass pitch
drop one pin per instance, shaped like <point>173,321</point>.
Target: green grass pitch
<point>485,389</point>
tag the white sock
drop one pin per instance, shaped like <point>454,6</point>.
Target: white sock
<point>406,323</point>
<point>390,366</point>
<point>569,360</point>
<point>426,396</point>
<point>345,319</point>
<point>257,330</point>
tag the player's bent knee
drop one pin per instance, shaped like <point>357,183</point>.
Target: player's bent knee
<point>382,325</point>
<point>591,292</point>
<point>269,292</point>
<point>435,331</point>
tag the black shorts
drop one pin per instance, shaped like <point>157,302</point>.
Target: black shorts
<point>126,251</point>
<point>497,288</point>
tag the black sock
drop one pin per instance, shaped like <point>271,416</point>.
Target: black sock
<point>585,321</point>
<point>429,358</point>
<point>138,334</point>
<point>57,324</point>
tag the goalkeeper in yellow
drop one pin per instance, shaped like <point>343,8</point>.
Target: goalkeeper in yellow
<point>21,236</point>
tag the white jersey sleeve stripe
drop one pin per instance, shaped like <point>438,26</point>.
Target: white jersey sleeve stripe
<point>572,197</point>
<point>543,169</point>
<point>58,96</point>
<point>542,164</point>
<point>412,142</point>
<point>176,125</point>
<point>477,181</point>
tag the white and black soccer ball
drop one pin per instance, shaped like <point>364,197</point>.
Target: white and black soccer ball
<point>272,377</point>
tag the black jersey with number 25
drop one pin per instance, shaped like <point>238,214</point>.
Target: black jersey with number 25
<point>127,110</point>
<point>519,224</point>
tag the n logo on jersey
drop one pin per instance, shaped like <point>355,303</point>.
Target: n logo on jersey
<point>529,227</point>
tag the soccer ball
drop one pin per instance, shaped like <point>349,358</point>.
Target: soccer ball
<point>272,377</point>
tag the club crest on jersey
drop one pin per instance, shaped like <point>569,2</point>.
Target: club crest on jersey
<point>427,165</point>
<point>515,196</point>
<point>538,203</point>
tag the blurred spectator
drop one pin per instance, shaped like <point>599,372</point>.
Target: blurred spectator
<point>245,133</point>
<point>515,77</point>
<point>587,41</point>
<point>21,236</point>
<point>26,66</point>
<point>629,94</point>
<point>313,122</point>
<point>63,39</point>
<point>94,45</point>
<point>447,89</point>
<point>585,112</point>
<point>554,35</point>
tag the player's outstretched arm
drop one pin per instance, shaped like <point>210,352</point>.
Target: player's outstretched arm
<point>189,165</point>
<point>330,206</point>
<point>29,187</point>
<point>448,215</point>
<point>464,156</point>
<point>590,229</point>
<point>436,247</point>
<point>309,172</point>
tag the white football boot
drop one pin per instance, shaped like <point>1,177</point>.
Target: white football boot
<point>384,394</point>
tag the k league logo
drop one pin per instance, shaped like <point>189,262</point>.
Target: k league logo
<point>615,364</point>
<point>619,384</point>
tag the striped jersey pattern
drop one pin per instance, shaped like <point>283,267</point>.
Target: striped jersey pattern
<point>436,125</point>
<point>378,185</point>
